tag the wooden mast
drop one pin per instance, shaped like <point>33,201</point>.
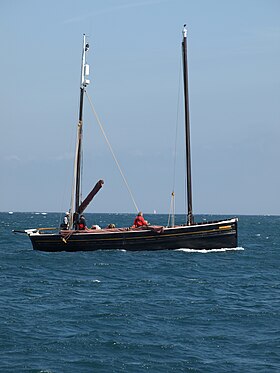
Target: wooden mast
<point>78,158</point>
<point>190,219</point>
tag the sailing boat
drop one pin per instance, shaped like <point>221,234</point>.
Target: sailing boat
<point>206,235</point>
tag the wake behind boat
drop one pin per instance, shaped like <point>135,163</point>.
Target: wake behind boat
<point>206,235</point>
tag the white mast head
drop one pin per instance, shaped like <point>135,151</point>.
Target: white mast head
<point>85,67</point>
<point>184,31</point>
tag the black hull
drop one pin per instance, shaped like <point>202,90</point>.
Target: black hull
<point>212,235</point>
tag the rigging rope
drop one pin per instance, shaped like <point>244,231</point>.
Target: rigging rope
<point>171,215</point>
<point>72,207</point>
<point>112,152</point>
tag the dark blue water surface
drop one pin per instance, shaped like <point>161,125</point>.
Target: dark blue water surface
<point>117,311</point>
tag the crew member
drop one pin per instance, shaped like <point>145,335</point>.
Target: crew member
<point>140,221</point>
<point>65,224</point>
<point>82,223</point>
<point>110,226</point>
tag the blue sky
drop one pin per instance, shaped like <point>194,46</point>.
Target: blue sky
<point>135,57</point>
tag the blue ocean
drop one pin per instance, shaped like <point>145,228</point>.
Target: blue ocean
<point>118,311</point>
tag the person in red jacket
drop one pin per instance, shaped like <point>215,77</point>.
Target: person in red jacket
<point>82,225</point>
<point>139,221</point>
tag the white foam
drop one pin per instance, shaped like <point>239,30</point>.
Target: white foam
<point>205,251</point>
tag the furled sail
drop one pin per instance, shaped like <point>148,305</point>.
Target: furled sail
<point>90,196</point>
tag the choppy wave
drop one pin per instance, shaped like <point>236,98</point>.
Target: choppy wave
<point>157,311</point>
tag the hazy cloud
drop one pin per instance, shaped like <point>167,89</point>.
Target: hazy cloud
<point>12,158</point>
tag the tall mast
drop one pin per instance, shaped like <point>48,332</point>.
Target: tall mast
<point>190,219</point>
<point>76,197</point>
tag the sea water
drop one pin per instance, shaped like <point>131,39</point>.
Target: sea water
<point>118,311</point>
